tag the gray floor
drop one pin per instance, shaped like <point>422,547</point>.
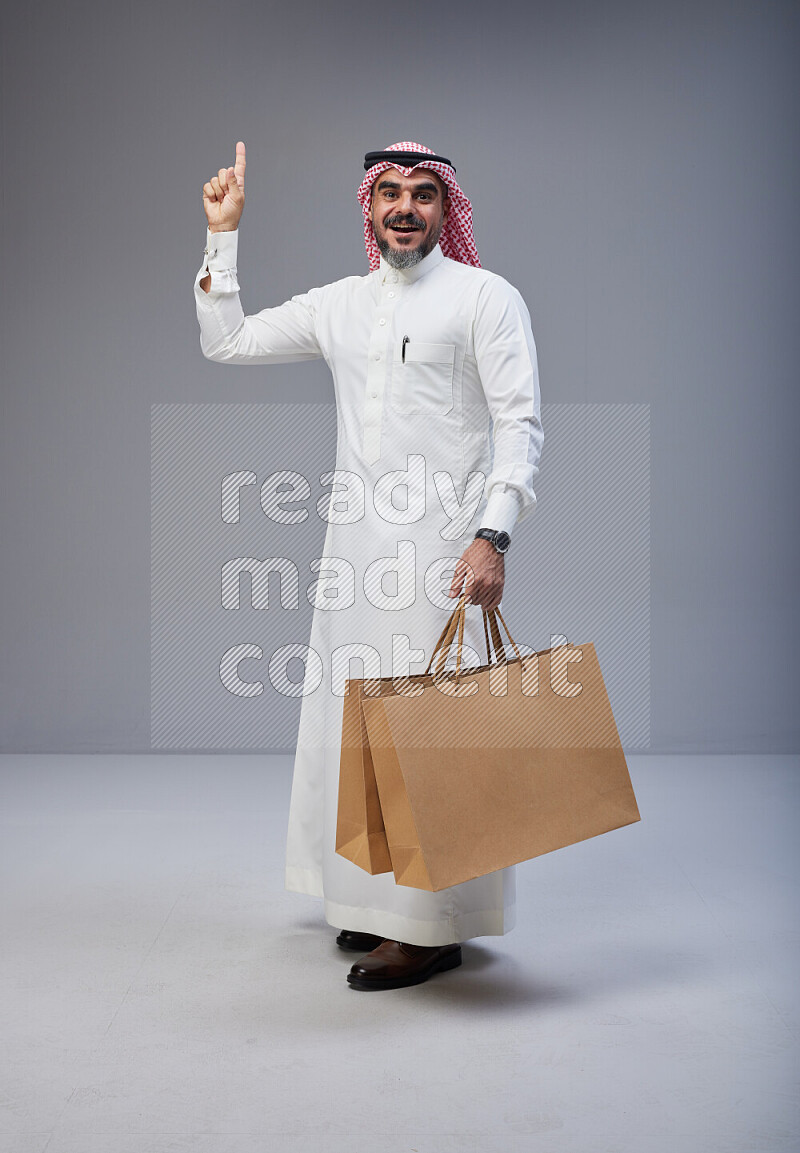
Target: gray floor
<point>161,991</point>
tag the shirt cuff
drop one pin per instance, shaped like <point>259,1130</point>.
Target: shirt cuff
<point>222,249</point>
<point>219,259</point>
<point>502,510</point>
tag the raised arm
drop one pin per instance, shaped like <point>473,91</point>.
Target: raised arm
<point>223,199</point>
<point>273,336</point>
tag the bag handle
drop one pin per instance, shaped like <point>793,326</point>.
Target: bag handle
<point>497,642</point>
<point>444,642</point>
<point>456,621</point>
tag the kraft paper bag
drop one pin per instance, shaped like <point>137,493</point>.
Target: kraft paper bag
<point>494,764</point>
<point>360,834</point>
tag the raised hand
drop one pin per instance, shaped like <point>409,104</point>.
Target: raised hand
<point>223,195</point>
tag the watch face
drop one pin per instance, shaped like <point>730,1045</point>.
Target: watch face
<point>502,541</point>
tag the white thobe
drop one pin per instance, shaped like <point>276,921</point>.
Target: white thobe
<point>436,382</point>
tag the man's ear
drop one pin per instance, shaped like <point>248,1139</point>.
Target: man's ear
<point>445,208</point>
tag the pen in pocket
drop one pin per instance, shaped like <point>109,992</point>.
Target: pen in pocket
<point>403,353</point>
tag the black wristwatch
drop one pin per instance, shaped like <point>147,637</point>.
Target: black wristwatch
<point>501,540</point>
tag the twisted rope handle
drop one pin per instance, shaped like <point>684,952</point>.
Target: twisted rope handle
<point>448,632</point>
<point>497,641</point>
<point>456,621</point>
<point>443,652</point>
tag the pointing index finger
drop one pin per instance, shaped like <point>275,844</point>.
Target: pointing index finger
<point>241,161</point>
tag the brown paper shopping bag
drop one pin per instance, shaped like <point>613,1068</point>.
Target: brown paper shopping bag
<point>360,835</point>
<point>360,832</point>
<point>488,766</point>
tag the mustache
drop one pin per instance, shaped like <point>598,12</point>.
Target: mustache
<point>408,220</point>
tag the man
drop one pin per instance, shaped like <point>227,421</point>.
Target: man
<point>437,394</point>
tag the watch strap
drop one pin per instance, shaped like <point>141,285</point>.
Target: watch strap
<point>492,534</point>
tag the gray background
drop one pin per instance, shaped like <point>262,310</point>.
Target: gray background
<point>634,172</point>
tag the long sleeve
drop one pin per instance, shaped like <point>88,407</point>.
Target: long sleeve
<point>273,336</point>
<point>505,353</point>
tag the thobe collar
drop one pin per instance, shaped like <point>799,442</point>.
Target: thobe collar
<point>410,275</point>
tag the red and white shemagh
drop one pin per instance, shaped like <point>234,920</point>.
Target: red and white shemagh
<point>457,240</point>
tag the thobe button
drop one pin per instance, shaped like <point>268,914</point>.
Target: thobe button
<point>382,320</point>
<point>391,296</point>
<point>392,279</point>
<point>377,356</point>
<point>374,394</point>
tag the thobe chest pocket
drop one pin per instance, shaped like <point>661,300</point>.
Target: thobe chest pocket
<point>422,382</point>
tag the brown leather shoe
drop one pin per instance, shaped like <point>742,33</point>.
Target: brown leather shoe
<point>361,942</point>
<point>395,964</point>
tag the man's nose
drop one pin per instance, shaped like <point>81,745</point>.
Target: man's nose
<point>406,203</point>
